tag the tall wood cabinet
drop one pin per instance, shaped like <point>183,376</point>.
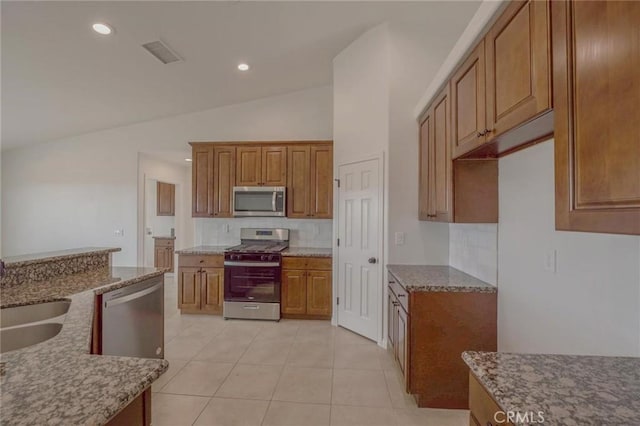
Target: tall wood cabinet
<point>201,284</point>
<point>596,63</point>
<point>310,181</point>
<point>306,287</point>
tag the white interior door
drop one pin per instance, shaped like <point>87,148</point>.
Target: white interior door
<point>360,232</point>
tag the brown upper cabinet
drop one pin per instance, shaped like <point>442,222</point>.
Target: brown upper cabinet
<point>213,178</point>
<point>596,58</point>
<point>501,93</point>
<point>452,191</point>
<point>305,168</point>
<point>166,199</point>
<point>261,165</point>
<point>310,181</point>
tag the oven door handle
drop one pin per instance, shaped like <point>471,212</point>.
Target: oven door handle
<point>252,264</point>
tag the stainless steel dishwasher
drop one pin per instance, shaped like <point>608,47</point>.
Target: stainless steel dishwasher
<point>133,320</point>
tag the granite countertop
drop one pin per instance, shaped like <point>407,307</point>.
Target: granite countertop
<point>203,250</point>
<point>28,259</point>
<point>308,252</point>
<point>437,278</point>
<point>164,237</point>
<point>291,251</point>
<point>568,389</point>
<point>58,381</point>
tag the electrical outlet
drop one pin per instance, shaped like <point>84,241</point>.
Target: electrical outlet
<point>225,227</point>
<point>399,238</point>
<point>119,233</point>
<point>551,261</point>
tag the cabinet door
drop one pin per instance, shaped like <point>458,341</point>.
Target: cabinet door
<point>518,71</point>
<point>441,186</point>
<point>391,309</point>
<point>212,288</point>
<point>424,165</point>
<point>596,58</point>
<point>468,103</point>
<point>274,166</point>
<point>319,293</point>
<point>321,193</point>
<point>223,180</point>
<point>189,288</point>
<point>202,181</point>
<point>298,185</point>
<point>159,257</point>
<point>401,343</point>
<point>248,165</point>
<point>294,292</point>
<point>165,197</point>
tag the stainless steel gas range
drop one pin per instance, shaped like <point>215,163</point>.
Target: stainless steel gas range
<point>252,274</point>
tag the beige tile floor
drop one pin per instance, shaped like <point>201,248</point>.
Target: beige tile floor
<point>290,373</point>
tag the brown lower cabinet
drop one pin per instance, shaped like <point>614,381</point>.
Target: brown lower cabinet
<point>137,413</point>
<point>306,288</point>
<point>164,253</point>
<point>201,284</point>
<point>483,409</point>
<point>428,331</point>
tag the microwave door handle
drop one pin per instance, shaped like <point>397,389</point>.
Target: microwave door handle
<point>273,201</point>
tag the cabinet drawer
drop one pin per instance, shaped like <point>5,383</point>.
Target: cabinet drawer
<point>401,294</point>
<point>482,406</point>
<point>211,260</point>
<point>294,263</point>
<point>319,263</point>
<point>164,242</point>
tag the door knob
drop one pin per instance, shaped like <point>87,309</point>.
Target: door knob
<point>373,260</point>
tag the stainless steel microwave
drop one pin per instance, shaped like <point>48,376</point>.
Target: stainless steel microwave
<point>259,201</point>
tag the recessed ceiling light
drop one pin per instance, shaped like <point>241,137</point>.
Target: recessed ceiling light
<point>243,67</point>
<point>188,159</point>
<point>101,28</point>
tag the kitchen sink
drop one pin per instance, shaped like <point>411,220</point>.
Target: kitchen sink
<point>21,337</point>
<point>25,314</point>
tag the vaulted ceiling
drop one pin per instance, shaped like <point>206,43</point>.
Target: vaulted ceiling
<point>60,79</point>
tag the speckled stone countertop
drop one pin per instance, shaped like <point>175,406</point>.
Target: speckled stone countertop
<point>437,278</point>
<point>308,252</point>
<point>57,382</point>
<point>570,390</point>
<point>52,256</point>
<point>291,251</point>
<point>203,250</point>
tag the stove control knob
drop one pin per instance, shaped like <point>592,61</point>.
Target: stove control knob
<point>235,257</point>
<point>264,257</point>
<point>271,258</point>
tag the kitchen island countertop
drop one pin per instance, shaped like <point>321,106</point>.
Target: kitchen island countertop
<point>565,389</point>
<point>58,381</point>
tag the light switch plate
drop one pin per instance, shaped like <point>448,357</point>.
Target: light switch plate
<point>550,261</point>
<point>399,238</point>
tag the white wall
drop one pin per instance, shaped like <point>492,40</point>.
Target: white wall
<point>77,191</point>
<point>473,248</point>
<point>591,305</point>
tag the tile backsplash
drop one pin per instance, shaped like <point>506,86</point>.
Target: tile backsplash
<point>303,232</point>
<point>473,248</point>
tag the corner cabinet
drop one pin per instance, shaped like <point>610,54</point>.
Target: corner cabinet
<point>305,168</point>
<point>200,284</point>
<point>464,191</point>
<point>596,58</point>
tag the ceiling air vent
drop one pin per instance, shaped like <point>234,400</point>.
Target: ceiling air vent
<point>162,52</point>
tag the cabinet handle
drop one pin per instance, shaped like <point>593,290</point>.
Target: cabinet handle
<point>402,295</point>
